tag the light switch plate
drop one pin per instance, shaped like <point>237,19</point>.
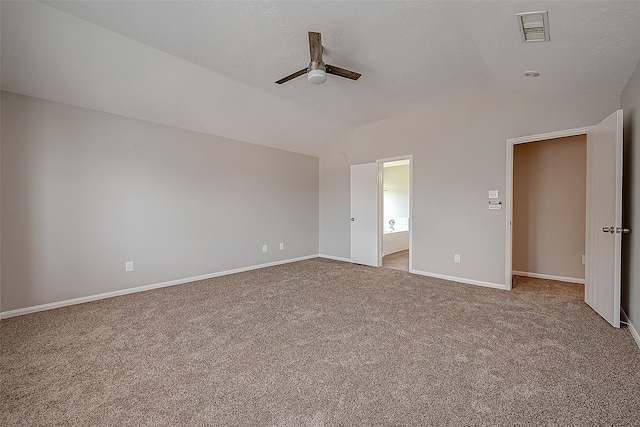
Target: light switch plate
<point>493,194</point>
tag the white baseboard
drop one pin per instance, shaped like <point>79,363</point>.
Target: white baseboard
<point>58,304</point>
<point>459,279</point>
<point>632,329</point>
<point>549,277</point>
<point>335,258</point>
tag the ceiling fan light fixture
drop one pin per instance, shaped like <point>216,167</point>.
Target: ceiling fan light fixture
<point>317,73</point>
<point>317,77</point>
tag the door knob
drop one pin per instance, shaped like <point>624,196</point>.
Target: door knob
<point>622,230</point>
<point>609,229</point>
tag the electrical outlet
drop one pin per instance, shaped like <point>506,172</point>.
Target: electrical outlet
<point>128,266</point>
<point>281,246</point>
<point>583,260</point>
<point>264,248</point>
<point>493,194</point>
<point>456,258</point>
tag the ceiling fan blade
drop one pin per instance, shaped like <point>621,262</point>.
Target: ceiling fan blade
<point>292,76</point>
<point>315,46</point>
<point>337,71</point>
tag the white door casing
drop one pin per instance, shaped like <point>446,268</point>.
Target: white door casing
<point>364,214</point>
<point>603,250</point>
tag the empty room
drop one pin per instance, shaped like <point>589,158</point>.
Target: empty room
<point>199,199</point>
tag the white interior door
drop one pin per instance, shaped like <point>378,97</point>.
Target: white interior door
<point>364,214</point>
<point>604,218</point>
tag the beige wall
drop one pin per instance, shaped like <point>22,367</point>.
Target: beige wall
<point>459,153</point>
<point>630,102</point>
<point>84,191</point>
<point>549,202</point>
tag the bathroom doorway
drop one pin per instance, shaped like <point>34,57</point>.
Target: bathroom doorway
<point>395,213</point>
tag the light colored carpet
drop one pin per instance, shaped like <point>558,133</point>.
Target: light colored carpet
<point>321,343</point>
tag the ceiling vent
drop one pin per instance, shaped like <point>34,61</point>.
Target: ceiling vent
<point>534,26</point>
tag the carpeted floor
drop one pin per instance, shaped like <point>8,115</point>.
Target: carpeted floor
<point>322,343</point>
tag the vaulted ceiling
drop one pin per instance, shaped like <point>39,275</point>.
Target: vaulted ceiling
<point>211,66</point>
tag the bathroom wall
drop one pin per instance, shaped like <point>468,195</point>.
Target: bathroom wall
<point>396,207</point>
<point>396,197</point>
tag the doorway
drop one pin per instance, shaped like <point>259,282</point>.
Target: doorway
<point>549,205</point>
<point>604,227</point>
<point>370,225</point>
<point>511,144</point>
<point>395,251</point>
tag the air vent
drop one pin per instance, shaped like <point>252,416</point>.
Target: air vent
<point>534,26</point>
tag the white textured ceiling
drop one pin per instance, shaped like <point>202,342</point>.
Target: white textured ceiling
<point>211,66</point>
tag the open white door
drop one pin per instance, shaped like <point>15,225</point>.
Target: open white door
<point>364,214</point>
<point>604,218</point>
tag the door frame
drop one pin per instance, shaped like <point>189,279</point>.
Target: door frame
<point>511,143</point>
<point>381,205</point>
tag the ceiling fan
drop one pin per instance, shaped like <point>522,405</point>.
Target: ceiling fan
<point>317,69</point>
